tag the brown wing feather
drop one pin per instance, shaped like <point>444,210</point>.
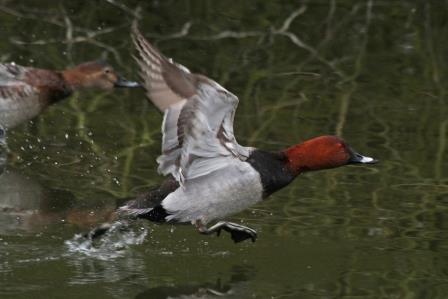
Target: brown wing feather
<point>166,83</point>
<point>15,91</point>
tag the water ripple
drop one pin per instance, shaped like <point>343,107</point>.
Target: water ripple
<point>112,245</point>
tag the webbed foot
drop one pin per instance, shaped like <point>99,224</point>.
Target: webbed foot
<point>104,228</point>
<point>97,231</point>
<point>238,232</point>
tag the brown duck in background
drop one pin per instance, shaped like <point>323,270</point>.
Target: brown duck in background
<point>26,91</point>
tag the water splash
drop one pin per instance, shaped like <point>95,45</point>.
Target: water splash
<point>115,243</point>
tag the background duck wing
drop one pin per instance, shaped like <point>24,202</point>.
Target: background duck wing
<point>197,127</point>
<point>12,84</point>
<point>15,94</point>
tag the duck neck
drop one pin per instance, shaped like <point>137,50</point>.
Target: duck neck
<point>297,158</point>
<point>73,80</point>
<point>51,84</point>
<point>273,170</point>
<point>58,89</point>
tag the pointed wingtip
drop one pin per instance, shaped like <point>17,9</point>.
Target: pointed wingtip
<point>135,32</point>
<point>140,42</point>
<point>134,27</point>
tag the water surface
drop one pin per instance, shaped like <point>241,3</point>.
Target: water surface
<point>373,72</point>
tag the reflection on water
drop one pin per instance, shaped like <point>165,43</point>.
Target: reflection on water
<point>20,200</point>
<point>232,287</point>
<point>108,269</point>
<point>26,206</point>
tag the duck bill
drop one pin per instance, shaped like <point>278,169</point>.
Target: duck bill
<point>123,83</point>
<point>356,158</point>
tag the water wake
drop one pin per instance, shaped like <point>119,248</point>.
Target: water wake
<point>113,244</point>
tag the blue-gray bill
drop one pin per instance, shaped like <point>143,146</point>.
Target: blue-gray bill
<point>123,83</point>
<point>356,158</point>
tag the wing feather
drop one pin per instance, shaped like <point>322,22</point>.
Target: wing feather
<point>12,85</point>
<point>166,83</point>
<point>198,119</point>
<point>17,97</point>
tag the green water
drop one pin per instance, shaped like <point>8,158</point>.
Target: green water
<point>374,72</point>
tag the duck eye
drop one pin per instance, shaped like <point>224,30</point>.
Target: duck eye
<point>340,146</point>
<point>107,71</point>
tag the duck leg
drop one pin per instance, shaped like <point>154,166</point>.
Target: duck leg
<point>238,232</point>
<point>98,231</point>
<point>107,227</point>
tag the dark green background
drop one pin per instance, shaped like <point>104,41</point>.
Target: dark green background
<point>374,72</point>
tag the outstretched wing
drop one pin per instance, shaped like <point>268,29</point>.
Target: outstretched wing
<point>166,82</point>
<point>198,115</point>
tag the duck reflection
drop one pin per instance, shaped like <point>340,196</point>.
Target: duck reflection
<point>232,288</point>
<point>26,206</point>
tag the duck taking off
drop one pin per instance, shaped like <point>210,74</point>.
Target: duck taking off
<point>211,176</point>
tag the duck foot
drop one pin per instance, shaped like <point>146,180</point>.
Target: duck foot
<point>238,232</point>
<point>104,228</point>
<point>97,231</point>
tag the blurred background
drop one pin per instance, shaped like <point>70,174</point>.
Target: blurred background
<point>373,72</point>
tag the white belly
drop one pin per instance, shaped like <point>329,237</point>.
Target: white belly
<point>224,192</point>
